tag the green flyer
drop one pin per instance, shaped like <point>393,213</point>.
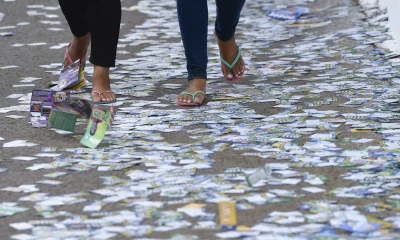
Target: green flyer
<point>63,120</point>
<point>96,128</point>
<point>10,209</point>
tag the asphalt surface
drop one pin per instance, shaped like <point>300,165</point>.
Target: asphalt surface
<point>29,58</point>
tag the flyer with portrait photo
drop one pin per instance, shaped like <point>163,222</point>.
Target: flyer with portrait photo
<point>96,128</point>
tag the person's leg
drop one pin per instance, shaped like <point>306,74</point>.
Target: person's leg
<point>193,22</point>
<point>228,14</point>
<point>77,12</point>
<point>105,26</point>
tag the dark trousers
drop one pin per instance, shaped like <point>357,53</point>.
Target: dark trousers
<point>100,18</point>
<point>193,22</point>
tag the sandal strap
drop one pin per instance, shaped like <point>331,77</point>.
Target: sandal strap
<point>193,94</point>
<point>67,54</point>
<point>234,61</point>
<point>68,57</point>
<point>99,93</point>
<point>108,91</point>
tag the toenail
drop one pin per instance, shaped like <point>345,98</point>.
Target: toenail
<point>230,76</point>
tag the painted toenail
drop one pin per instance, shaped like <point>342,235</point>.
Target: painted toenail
<point>230,76</point>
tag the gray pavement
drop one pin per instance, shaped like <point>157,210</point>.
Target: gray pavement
<point>314,103</point>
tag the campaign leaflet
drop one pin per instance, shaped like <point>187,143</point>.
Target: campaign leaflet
<point>41,105</point>
<point>111,116</point>
<point>96,128</point>
<point>71,78</point>
<point>63,120</point>
<point>287,13</point>
<point>81,107</point>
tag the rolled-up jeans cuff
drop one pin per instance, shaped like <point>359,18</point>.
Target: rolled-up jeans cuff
<point>80,32</point>
<point>197,76</point>
<point>102,61</point>
<point>225,37</point>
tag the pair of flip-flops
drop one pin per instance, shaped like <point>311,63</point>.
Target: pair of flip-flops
<point>82,75</point>
<point>192,103</point>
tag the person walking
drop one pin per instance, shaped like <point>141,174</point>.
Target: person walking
<point>193,22</point>
<point>95,22</point>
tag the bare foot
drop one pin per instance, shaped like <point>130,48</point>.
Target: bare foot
<point>194,86</point>
<point>228,51</point>
<point>101,91</point>
<point>77,49</point>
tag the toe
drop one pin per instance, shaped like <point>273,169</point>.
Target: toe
<point>243,65</point>
<point>236,71</point>
<point>199,99</point>
<point>187,99</point>
<point>108,97</point>
<point>227,73</point>
<point>96,97</point>
<point>181,98</point>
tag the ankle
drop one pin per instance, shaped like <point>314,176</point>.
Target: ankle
<point>197,82</point>
<point>101,72</point>
<point>80,44</point>
<point>101,69</point>
<point>226,44</point>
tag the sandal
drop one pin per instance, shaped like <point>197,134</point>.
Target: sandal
<point>233,64</point>
<point>193,97</point>
<point>104,102</point>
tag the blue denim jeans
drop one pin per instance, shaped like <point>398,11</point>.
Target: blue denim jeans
<point>193,22</point>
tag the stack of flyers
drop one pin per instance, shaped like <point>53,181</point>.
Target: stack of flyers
<point>287,13</point>
<point>71,77</point>
<point>41,105</point>
<point>99,122</point>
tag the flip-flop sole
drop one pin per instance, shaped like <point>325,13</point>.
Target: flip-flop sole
<point>100,103</point>
<point>188,104</point>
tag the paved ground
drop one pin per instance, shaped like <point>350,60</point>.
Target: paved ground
<point>316,105</point>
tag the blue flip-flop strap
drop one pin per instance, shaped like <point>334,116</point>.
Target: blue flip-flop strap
<point>235,61</point>
<point>193,94</point>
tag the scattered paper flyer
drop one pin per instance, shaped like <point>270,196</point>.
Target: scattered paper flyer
<point>287,13</point>
<point>96,128</point>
